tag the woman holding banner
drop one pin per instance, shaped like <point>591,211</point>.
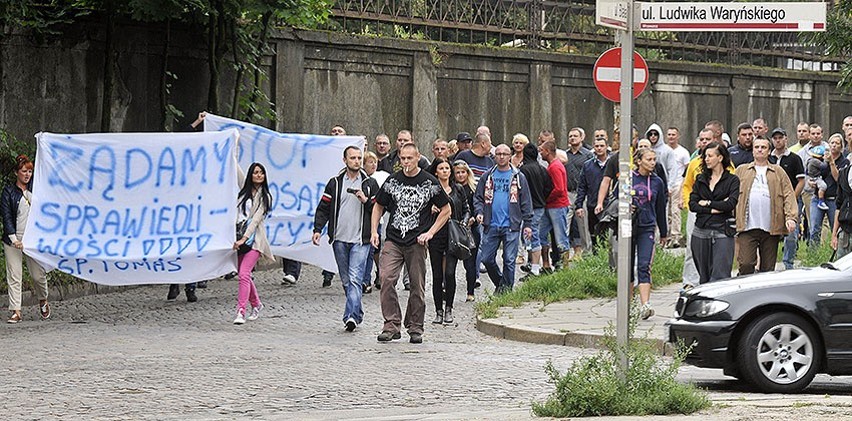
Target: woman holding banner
<point>253,202</point>
<point>15,208</point>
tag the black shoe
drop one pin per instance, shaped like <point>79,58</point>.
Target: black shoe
<point>527,268</point>
<point>415,338</point>
<point>231,275</point>
<point>386,336</point>
<point>378,284</point>
<point>439,317</point>
<point>367,289</point>
<point>202,284</point>
<point>326,280</point>
<point>546,271</point>
<point>190,296</point>
<point>406,287</point>
<point>350,324</point>
<point>174,291</point>
<point>477,285</point>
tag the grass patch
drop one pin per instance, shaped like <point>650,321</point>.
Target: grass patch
<point>593,385</point>
<point>814,255</point>
<point>590,277</point>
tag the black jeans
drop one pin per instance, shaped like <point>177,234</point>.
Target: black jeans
<point>443,277</point>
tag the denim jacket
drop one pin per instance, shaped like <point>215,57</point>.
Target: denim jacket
<point>9,200</point>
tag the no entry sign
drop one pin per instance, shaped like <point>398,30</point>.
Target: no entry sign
<point>607,74</point>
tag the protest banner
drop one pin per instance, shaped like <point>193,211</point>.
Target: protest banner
<point>298,166</point>
<point>134,208</point>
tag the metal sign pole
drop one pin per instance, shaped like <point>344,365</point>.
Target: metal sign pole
<point>624,229</point>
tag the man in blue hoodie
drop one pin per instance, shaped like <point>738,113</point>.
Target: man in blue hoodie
<point>503,205</point>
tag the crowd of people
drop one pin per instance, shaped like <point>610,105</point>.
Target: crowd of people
<point>543,206</point>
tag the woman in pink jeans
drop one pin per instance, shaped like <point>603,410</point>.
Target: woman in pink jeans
<point>253,204</point>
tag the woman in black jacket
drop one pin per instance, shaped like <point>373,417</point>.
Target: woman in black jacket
<point>443,263</point>
<point>713,199</point>
<point>15,204</point>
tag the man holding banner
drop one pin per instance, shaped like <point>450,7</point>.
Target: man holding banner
<point>408,195</point>
<point>346,207</point>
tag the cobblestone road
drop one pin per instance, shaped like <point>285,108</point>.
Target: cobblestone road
<point>133,355</point>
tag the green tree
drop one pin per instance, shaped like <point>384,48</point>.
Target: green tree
<point>836,41</point>
<point>165,12</point>
<point>260,16</point>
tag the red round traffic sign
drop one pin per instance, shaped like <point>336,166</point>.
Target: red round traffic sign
<point>607,74</point>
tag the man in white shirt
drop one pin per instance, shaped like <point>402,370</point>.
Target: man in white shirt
<point>678,160</point>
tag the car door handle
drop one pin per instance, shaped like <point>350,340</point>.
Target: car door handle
<point>826,294</point>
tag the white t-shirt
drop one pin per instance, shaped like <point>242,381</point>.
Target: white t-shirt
<point>758,214</point>
<point>678,161</point>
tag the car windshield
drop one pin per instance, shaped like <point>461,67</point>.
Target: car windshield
<point>844,263</point>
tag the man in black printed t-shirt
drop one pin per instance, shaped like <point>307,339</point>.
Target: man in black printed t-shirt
<point>408,195</point>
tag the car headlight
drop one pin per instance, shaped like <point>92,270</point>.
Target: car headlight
<point>705,308</point>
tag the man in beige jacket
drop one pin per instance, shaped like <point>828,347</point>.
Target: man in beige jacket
<point>766,210</point>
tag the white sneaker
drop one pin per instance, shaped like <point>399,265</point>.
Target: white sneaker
<point>255,312</point>
<point>241,318</point>
<point>289,279</point>
<point>647,311</point>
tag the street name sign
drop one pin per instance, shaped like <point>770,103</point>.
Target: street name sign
<point>611,13</point>
<point>739,17</point>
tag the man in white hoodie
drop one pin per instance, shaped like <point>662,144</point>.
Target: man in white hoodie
<point>655,134</point>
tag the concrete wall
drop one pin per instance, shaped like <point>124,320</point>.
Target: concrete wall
<point>375,85</point>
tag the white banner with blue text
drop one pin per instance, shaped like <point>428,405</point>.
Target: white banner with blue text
<point>298,166</point>
<point>134,208</point>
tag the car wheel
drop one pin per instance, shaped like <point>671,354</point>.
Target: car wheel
<point>779,353</point>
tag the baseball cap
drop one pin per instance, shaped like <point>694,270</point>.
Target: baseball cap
<point>463,137</point>
<point>777,130</point>
<point>817,151</point>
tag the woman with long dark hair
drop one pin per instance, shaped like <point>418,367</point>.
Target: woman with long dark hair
<point>443,263</point>
<point>253,204</point>
<point>464,177</point>
<point>713,199</point>
<point>15,204</point>
<point>649,211</point>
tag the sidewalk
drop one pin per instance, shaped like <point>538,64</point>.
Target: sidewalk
<point>577,323</point>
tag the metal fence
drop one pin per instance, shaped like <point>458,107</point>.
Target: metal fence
<point>567,26</point>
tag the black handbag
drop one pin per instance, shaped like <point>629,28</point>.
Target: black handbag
<point>461,243</point>
<point>241,231</point>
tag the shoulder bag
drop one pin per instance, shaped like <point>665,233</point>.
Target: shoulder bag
<point>241,231</point>
<point>461,243</point>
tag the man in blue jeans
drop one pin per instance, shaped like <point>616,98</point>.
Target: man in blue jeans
<point>346,206</point>
<point>791,163</point>
<point>503,205</point>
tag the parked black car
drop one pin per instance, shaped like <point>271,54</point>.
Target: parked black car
<point>774,330</point>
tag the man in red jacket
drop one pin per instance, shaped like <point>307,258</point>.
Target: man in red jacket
<point>556,207</point>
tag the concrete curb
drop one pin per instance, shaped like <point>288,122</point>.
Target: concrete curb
<point>579,339</point>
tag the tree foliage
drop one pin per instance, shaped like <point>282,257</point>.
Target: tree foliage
<point>837,39</point>
<point>237,34</point>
